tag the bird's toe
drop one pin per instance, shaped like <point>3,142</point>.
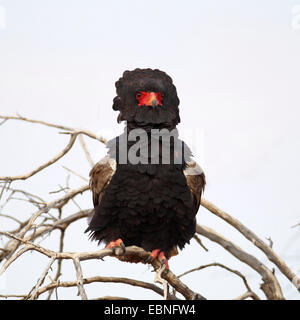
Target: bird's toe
<point>158,254</point>
<point>117,247</point>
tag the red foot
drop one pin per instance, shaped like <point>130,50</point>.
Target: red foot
<point>158,254</point>
<point>116,243</point>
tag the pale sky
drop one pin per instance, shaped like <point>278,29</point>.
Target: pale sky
<point>236,68</point>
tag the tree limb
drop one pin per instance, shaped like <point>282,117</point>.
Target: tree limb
<point>270,285</point>
<point>251,236</point>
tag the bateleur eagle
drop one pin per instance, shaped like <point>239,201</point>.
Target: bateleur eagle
<point>150,203</point>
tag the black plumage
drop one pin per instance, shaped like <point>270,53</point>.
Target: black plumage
<point>148,205</point>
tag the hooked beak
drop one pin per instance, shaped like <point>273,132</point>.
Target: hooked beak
<point>154,103</point>
<point>152,100</point>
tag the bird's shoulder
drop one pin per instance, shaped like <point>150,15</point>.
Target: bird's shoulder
<point>196,181</point>
<point>100,176</point>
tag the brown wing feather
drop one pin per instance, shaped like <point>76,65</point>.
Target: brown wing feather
<point>196,181</point>
<point>100,176</point>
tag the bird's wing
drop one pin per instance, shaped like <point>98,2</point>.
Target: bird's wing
<point>100,176</point>
<point>196,181</point>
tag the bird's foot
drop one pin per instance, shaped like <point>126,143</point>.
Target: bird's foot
<point>116,246</point>
<point>158,254</point>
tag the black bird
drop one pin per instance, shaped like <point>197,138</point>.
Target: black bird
<point>146,196</point>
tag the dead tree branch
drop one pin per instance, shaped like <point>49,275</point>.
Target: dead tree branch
<point>251,236</point>
<point>270,285</point>
<point>215,264</point>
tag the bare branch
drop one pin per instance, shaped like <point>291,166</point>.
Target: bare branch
<point>251,236</point>
<point>246,295</point>
<point>48,124</point>
<point>13,296</point>
<point>33,295</point>
<point>81,290</point>
<point>45,165</point>
<point>111,298</point>
<point>133,254</point>
<point>270,285</point>
<point>54,204</point>
<point>132,282</point>
<point>200,242</point>
<point>10,217</point>
<point>215,264</point>
<point>77,174</point>
<point>271,242</point>
<point>295,225</point>
<point>3,121</point>
<point>59,262</point>
<point>86,151</point>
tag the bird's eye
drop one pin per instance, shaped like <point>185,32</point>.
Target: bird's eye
<point>138,95</point>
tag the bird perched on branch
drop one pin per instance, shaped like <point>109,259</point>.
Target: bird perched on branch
<point>147,190</point>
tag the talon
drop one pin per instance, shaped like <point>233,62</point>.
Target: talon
<point>124,250</point>
<point>123,245</point>
<point>148,259</point>
<point>163,259</point>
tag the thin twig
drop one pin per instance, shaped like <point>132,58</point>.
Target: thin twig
<point>131,282</point>
<point>77,174</point>
<point>57,126</point>
<point>86,151</point>
<point>59,262</point>
<point>81,290</point>
<point>33,295</point>
<point>46,164</point>
<point>216,264</point>
<point>200,242</point>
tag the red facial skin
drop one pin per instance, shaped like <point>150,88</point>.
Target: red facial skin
<point>147,98</point>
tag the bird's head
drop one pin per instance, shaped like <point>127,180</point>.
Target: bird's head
<point>147,97</point>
